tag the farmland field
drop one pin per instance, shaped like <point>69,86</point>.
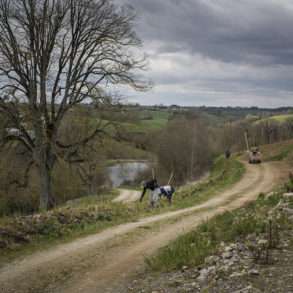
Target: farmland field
<point>277,118</point>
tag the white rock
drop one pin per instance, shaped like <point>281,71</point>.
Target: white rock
<point>224,268</point>
<point>227,255</point>
<point>211,260</point>
<point>288,195</point>
<point>245,290</point>
<point>202,278</point>
<point>237,275</point>
<point>204,274</point>
<point>262,242</point>
<point>230,263</point>
<point>228,248</point>
<point>253,272</point>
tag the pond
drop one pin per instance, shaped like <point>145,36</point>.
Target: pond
<point>125,172</point>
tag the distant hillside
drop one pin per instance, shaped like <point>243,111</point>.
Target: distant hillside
<point>276,118</point>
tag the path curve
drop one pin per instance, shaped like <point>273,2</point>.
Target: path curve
<point>107,259</point>
<point>127,196</point>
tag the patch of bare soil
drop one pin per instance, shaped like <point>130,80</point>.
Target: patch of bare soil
<point>105,262</point>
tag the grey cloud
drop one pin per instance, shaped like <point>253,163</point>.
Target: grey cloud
<point>233,31</point>
<point>217,52</point>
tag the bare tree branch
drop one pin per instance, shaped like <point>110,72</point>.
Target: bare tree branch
<point>55,55</point>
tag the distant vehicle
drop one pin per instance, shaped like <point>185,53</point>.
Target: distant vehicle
<point>254,156</point>
<point>254,153</point>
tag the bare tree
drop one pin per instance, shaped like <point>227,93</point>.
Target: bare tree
<point>188,134</point>
<point>55,55</point>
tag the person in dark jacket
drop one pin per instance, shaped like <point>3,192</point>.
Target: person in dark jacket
<point>157,192</point>
<point>227,154</point>
<point>151,185</point>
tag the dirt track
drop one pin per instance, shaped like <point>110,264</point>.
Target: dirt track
<point>104,262</point>
<point>127,196</point>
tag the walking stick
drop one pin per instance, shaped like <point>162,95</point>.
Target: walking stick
<point>171,177</point>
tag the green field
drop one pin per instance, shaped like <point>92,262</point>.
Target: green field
<point>156,120</point>
<point>276,118</point>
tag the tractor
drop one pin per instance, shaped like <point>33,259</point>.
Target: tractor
<point>254,153</point>
<point>254,156</point>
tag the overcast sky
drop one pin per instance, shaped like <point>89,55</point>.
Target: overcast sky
<point>217,52</point>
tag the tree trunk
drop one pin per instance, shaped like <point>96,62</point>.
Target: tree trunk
<point>46,186</point>
<point>46,163</point>
<point>92,186</point>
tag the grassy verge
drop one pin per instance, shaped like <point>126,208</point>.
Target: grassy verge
<point>192,248</point>
<point>278,152</point>
<point>25,234</point>
<point>223,174</point>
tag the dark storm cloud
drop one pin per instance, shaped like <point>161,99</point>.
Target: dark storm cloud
<point>215,49</point>
<point>233,31</point>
